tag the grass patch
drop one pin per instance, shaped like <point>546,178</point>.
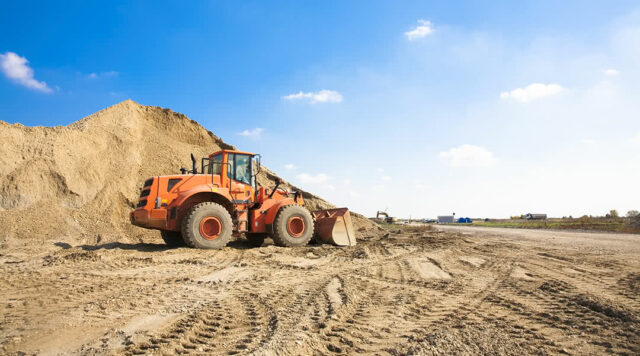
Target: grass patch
<point>406,228</point>
<point>584,223</point>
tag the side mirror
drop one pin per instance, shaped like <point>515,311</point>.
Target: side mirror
<point>258,165</point>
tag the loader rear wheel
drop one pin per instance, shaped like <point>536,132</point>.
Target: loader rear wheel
<point>172,238</point>
<point>207,225</point>
<point>293,226</point>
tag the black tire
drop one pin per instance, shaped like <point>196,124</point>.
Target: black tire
<point>172,238</point>
<point>282,236</point>
<point>215,215</point>
<point>256,240</point>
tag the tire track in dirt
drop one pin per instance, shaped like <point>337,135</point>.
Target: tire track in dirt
<point>406,310</point>
<point>585,277</point>
<point>465,299</point>
<point>283,305</point>
<point>334,301</point>
<point>226,325</point>
<point>355,326</point>
<point>556,310</point>
<point>398,296</point>
<point>629,287</point>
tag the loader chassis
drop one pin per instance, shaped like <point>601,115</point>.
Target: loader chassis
<point>204,209</point>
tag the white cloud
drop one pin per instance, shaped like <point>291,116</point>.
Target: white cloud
<point>377,187</point>
<point>611,72</point>
<point>468,156</point>
<point>635,139</point>
<point>322,96</point>
<point>111,73</point>
<point>253,133</point>
<point>15,68</point>
<point>532,92</point>
<point>313,179</point>
<point>386,178</point>
<point>588,141</point>
<point>319,183</point>
<point>380,170</point>
<point>354,194</point>
<point>418,185</point>
<point>347,182</point>
<point>423,30</point>
<point>289,166</point>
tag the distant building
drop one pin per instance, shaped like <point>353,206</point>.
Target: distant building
<point>535,216</point>
<point>446,219</point>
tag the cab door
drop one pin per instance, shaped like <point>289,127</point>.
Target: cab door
<point>240,175</point>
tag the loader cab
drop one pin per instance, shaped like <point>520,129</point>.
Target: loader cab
<point>235,168</point>
<point>206,208</point>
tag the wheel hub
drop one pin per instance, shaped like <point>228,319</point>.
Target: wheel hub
<point>295,226</point>
<point>210,227</point>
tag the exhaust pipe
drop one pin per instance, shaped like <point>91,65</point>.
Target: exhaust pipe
<point>193,164</point>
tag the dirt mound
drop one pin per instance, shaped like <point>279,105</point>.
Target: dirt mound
<point>81,180</point>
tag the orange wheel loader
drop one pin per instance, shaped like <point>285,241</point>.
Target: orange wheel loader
<point>205,209</point>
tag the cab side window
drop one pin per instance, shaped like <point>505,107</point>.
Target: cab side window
<point>243,168</point>
<point>215,165</point>
<point>231,166</point>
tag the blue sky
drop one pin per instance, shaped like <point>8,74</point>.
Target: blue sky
<point>422,108</point>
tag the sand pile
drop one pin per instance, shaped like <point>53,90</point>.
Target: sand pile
<point>80,181</point>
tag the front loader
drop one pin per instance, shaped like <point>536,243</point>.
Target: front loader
<point>205,209</point>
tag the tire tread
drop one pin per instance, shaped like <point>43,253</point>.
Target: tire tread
<point>277,235</point>
<point>189,238</point>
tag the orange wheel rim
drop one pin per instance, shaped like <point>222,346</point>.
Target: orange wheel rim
<point>295,226</point>
<point>210,227</point>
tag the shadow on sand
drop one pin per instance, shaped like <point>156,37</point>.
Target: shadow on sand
<point>140,246</point>
<point>240,244</point>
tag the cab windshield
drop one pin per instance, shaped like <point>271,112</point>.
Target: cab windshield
<point>240,168</point>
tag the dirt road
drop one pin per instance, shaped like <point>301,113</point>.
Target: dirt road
<point>624,243</point>
<point>420,292</point>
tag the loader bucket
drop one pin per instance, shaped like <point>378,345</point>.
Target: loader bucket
<point>334,226</point>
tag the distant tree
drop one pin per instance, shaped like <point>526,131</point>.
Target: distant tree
<point>632,213</point>
<point>613,214</point>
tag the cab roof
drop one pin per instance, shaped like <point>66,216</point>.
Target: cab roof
<point>231,151</point>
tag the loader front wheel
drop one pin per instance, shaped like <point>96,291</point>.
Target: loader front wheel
<point>172,238</point>
<point>293,226</point>
<point>207,225</point>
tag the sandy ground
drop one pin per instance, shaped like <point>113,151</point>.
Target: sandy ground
<point>455,291</point>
